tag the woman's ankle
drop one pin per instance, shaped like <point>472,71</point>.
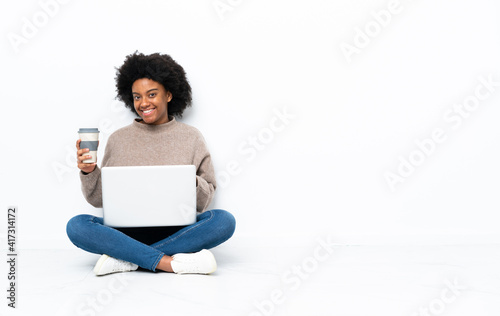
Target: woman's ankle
<point>164,264</point>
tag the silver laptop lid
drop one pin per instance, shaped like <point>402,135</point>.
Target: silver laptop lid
<point>142,196</point>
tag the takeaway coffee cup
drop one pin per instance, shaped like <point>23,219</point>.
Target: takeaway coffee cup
<point>90,140</point>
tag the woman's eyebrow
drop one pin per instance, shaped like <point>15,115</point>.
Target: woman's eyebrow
<point>146,91</point>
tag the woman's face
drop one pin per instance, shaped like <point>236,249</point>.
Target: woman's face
<point>151,101</point>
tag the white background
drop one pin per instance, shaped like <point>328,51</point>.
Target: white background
<point>324,172</point>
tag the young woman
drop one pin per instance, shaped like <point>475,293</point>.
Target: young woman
<point>155,88</point>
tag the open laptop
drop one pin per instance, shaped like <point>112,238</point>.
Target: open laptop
<point>145,196</point>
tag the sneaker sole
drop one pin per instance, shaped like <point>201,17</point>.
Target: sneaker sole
<point>214,266</point>
<point>99,264</point>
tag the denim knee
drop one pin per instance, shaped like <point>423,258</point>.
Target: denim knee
<point>75,227</point>
<point>226,223</point>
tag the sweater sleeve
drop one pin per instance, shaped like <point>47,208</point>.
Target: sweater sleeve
<point>91,182</point>
<point>91,187</point>
<point>205,176</point>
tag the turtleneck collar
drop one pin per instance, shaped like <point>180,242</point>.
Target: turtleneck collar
<point>155,128</point>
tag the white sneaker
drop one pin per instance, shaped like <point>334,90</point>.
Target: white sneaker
<point>107,265</point>
<point>202,262</point>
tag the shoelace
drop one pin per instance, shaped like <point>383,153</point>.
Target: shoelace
<point>121,265</point>
<point>189,263</point>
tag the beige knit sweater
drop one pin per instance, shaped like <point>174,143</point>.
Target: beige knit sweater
<point>138,144</point>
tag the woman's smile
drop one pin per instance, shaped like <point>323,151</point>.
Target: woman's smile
<point>147,112</point>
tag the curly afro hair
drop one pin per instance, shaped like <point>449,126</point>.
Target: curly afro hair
<point>160,68</point>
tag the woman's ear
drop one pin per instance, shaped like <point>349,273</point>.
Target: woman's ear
<point>169,96</point>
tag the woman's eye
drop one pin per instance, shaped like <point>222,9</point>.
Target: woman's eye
<point>136,97</point>
<point>152,95</point>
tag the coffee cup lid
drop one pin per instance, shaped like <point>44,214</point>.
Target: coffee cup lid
<point>88,130</point>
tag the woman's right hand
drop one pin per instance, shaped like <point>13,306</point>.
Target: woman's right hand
<point>81,156</point>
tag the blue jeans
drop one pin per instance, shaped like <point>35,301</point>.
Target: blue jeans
<point>88,232</point>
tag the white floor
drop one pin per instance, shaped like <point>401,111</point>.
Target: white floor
<point>265,280</point>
